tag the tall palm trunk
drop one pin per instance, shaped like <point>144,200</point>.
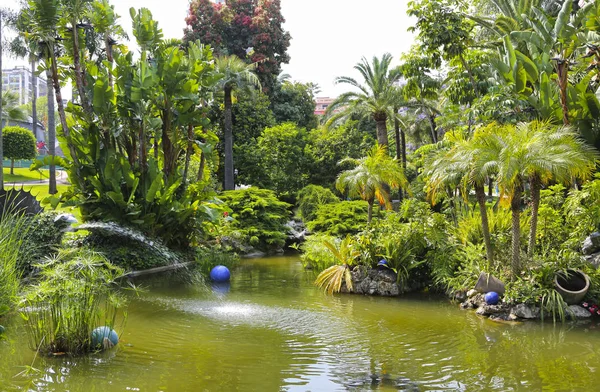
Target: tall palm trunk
<point>485,227</point>
<point>535,186</point>
<point>33,98</point>
<point>51,133</point>
<point>78,71</point>
<point>228,136</point>
<point>397,135</point>
<point>562,71</point>
<point>200,174</point>
<point>382,135</point>
<point>403,137</point>
<point>515,207</point>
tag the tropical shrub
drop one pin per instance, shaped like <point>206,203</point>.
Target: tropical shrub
<point>259,218</point>
<point>340,219</point>
<point>19,143</point>
<point>311,197</point>
<point>315,255</point>
<point>346,255</point>
<point>76,293</point>
<point>43,239</point>
<point>131,139</point>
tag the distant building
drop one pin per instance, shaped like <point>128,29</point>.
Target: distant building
<point>322,105</point>
<point>28,124</point>
<point>18,80</point>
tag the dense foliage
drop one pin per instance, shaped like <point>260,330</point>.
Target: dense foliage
<point>259,218</point>
<point>311,197</point>
<point>251,30</point>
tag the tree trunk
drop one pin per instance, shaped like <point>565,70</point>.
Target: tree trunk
<point>188,154</point>
<point>480,193</point>
<point>51,134</point>
<point>562,71</point>
<point>515,207</point>
<point>12,167</point>
<point>228,136</point>
<point>490,187</point>
<point>535,203</point>
<point>78,71</point>
<point>33,99</point>
<point>382,136</point>
<point>433,127</point>
<point>61,109</point>
<point>109,57</point>
<point>403,137</point>
<point>1,141</point>
<point>397,134</point>
<point>370,211</point>
<point>200,174</point>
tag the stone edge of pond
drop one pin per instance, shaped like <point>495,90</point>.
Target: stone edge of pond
<point>156,270</point>
<point>504,312</point>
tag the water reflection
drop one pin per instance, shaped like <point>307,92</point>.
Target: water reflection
<point>271,330</point>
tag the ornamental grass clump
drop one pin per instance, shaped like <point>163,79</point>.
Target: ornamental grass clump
<point>13,230</point>
<point>77,292</point>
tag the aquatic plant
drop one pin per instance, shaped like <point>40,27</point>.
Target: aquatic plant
<point>76,293</point>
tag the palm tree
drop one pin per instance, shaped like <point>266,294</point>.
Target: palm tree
<point>469,162</point>
<point>373,98</point>
<point>553,154</point>
<point>236,74</point>
<point>372,178</point>
<point>538,153</point>
<point>11,109</point>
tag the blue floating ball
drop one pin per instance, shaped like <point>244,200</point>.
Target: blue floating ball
<point>220,274</point>
<point>491,298</point>
<point>104,338</point>
<point>383,262</point>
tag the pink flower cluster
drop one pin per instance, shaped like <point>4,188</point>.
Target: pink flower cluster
<point>593,308</point>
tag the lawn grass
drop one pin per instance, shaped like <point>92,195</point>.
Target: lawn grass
<point>23,174</point>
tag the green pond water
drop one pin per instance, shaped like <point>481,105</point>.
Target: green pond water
<point>274,331</point>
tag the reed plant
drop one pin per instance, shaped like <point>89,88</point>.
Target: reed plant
<point>13,231</point>
<point>77,291</point>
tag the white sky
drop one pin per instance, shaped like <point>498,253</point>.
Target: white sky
<point>328,36</point>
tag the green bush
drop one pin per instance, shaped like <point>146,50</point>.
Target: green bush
<point>340,219</point>
<point>75,294</point>
<point>43,239</point>
<point>19,143</point>
<point>259,218</point>
<point>311,197</point>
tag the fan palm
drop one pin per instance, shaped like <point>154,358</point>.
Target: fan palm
<point>469,162</point>
<point>236,74</point>
<point>372,178</point>
<point>538,152</point>
<point>373,98</point>
<point>11,109</point>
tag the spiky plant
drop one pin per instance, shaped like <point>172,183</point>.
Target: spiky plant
<point>346,256</point>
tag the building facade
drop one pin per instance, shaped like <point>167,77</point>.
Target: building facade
<point>18,80</point>
<point>322,103</point>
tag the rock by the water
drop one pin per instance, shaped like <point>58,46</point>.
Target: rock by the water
<point>525,311</point>
<point>471,293</point>
<point>591,244</point>
<point>296,232</point>
<point>474,302</point>
<point>593,259</point>
<point>254,254</point>
<point>488,310</point>
<point>578,312</point>
<point>377,281</point>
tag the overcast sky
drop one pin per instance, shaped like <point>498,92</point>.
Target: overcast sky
<point>328,36</point>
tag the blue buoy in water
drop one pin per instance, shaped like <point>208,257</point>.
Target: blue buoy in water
<point>491,298</point>
<point>383,262</point>
<point>104,338</point>
<point>220,273</point>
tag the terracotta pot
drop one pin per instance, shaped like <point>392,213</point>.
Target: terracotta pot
<point>572,285</point>
<point>487,283</point>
